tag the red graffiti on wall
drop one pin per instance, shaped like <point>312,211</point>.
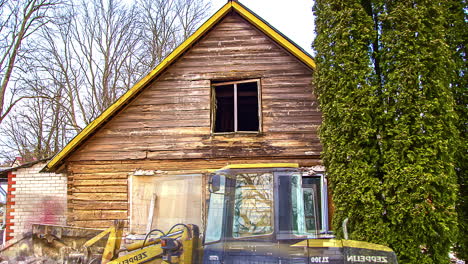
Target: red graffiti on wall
<point>51,211</point>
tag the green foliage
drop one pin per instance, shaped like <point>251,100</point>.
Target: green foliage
<point>348,97</point>
<point>457,38</point>
<point>418,142</point>
<point>385,78</point>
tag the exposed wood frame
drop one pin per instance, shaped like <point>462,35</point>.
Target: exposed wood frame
<point>236,122</point>
<point>236,108</point>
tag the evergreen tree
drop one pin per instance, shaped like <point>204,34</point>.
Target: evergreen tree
<point>457,38</point>
<point>348,95</point>
<point>384,82</point>
<point>419,137</point>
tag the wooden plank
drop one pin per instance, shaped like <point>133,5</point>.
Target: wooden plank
<point>271,105</point>
<point>266,54</point>
<point>174,93</point>
<point>101,224</point>
<point>198,148</point>
<point>287,113</point>
<point>286,96</point>
<point>147,112</point>
<point>167,131</point>
<point>231,54</point>
<point>187,118</point>
<point>100,189</point>
<point>217,151</point>
<point>299,127</point>
<point>174,99</point>
<point>98,175</point>
<point>280,91</point>
<point>99,196</point>
<point>100,182</point>
<point>293,120</point>
<point>93,205</point>
<point>78,215</point>
<point>263,67</point>
<point>83,155</point>
<point>191,87</point>
<point>172,107</point>
<point>142,124</point>
<point>203,137</point>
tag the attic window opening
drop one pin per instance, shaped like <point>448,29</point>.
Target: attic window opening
<point>236,106</point>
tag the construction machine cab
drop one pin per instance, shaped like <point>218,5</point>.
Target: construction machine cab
<point>258,208</point>
<point>246,203</point>
<point>270,213</point>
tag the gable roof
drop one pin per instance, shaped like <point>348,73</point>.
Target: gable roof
<point>234,6</point>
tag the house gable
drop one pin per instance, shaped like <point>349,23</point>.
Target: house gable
<point>171,118</point>
<point>296,64</point>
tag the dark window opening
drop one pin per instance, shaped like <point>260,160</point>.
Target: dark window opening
<point>236,106</point>
<point>312,192</point>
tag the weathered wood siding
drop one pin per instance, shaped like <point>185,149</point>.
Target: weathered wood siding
<point>169,122</point>
<point>97,191</point>
<point>171,118</point>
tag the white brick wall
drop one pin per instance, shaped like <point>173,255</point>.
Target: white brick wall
<point>39,198</point>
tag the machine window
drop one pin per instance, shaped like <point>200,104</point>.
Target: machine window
<point>312,196</point>
<point>253,205</point>
<point>291,206</point>
<point>298,212</point>
<point>236,106</point>
<point>215,223</point>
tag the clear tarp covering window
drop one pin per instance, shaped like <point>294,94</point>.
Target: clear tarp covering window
<point>298,215</point>
<point>215,214</point>
<point>253,205</point>
<point>176,199</point>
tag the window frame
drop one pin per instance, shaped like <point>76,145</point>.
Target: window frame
<point>213,106</point>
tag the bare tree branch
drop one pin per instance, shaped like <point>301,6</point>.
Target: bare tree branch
<point>25,18</point>
<point>10,106</point>
<point>78,60</point>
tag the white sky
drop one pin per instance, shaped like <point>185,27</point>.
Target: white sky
<point>293,18</point>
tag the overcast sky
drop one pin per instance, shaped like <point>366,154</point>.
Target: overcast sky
<point>293,18</point>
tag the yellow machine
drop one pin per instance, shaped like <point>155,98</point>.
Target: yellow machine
<point>176,246</point>
<point>257,214</point>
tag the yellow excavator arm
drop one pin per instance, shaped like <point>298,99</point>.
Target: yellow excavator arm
<point>177,246</point>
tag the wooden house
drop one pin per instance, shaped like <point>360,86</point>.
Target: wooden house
<point>236,91</point>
